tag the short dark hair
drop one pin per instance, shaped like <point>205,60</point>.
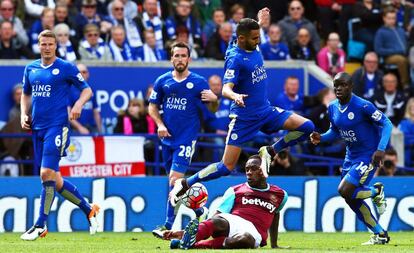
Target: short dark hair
<point>246,25</point>
<point>343,77</point>
<point>387,10</point>
<point>180,45</point>
<point>255,157</point>
<point>391,151</point>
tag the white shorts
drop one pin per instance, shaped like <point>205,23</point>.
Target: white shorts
<point>238,225</point>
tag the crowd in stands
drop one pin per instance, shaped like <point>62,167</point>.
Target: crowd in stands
<point>144,30</point>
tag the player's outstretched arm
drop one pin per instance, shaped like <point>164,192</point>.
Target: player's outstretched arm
<point>274,233</point>
<point>25,118</point>
<point>155,115</point>
<point>230,94</point>
<point>85,95</point>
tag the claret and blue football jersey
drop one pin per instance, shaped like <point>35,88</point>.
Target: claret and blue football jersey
<point>49,87</point>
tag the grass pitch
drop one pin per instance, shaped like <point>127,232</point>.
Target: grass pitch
<point>144,242</point>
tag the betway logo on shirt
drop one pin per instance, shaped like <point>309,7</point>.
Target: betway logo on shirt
<point>258,74</point>
<point>41,90</point>
<point>259,202</point>
<point>174,103</point>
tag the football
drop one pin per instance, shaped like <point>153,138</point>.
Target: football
<point>195,197</point>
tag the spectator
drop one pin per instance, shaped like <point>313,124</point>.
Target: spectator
<point>236,14</point>
<point>66,48</point>
<point>220,108</point>
<point>89,15</point>
<point>285,164</point>
<point>291,99</point>
<point>135,119</point>
<point>47,21</point>
<point>369,13</point>
<point>62,16</point>
<point>391,101</point>
<point>301,48</point>
<point>404,12</point>
<point>368,78</point>
<point>10,46</point>
<point>319,114</point>
<point>407,127</point>
<point>17,93</point>
<point>206,9</point>
<point>333,16</point>
<point>132,32</point>
<point>332,58</point>
<point>130,9</point>
<point>217,44</point>
<point>90,120</point>
<point>211,26</point>
<point>8,12</point>
<point>120,49</point>
<point>274,49</point>
<point>291,25</point>
<point>149,52</point>
<point>92,47</point>
<point>389,166</point>
<point>35,8</point>
<point>183,18</point>
<point>151,20</point>
<point>184,36</point>
<point>391,44</point>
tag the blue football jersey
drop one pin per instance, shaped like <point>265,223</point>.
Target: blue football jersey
<point>358,123</point>
<point>180,104</point>
<point>246,70</point>
<point>49,87</point>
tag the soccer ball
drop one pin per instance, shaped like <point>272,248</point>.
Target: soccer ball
<point>195,197</point>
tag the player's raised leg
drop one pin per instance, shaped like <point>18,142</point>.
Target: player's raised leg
<point>70,192</point>
<point>213,171</point>
<point>299,130</point>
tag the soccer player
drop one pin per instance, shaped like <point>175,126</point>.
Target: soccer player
<point>366,132</point>
<point>247,212</point>
<point>245,83</point>
<point>181,94</point>
<point>46,84</point>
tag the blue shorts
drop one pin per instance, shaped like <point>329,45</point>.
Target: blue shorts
<point>358,172</point>
<point>178,158</point>
<point>50,145</point>
<point>242,131</point>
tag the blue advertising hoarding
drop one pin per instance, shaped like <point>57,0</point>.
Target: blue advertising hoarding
<point>138,204</point>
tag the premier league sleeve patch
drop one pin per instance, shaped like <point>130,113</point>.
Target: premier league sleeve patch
<point>229,74</point>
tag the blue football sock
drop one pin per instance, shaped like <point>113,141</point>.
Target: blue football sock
<point>71,193</point>
<point>46,201</point>
<point>170,214</point>
<point>213,171</point>
<point>364,214</point>
<point>364,192</point>
<point>293,137</point>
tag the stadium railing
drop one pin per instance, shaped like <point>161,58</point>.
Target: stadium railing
<point>311,161</point>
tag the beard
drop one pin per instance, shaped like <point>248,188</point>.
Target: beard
<point>181,67</point>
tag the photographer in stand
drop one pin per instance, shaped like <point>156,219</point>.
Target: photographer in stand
<point>389,166</point>
<point>332,58</point>
<point>284,164</point>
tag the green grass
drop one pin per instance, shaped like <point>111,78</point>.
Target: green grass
<point>145,242</point>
